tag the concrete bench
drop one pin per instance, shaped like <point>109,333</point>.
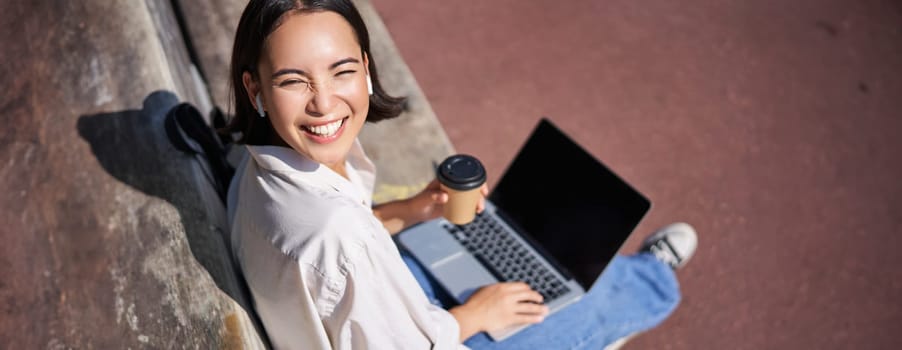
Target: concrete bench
<point>108,242</point>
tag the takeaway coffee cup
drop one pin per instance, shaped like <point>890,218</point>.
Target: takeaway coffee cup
<point>461,176</point>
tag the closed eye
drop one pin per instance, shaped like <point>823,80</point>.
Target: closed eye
<point>291,82</point>
<point>345,72</point>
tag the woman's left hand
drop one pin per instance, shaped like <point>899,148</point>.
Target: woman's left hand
<point>429,203</point>
<point>426,205</point>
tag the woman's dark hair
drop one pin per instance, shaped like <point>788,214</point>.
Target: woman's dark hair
<point>261,18</point>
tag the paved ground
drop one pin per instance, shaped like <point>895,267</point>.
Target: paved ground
<point>769,125</point>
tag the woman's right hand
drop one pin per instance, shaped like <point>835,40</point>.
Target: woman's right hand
<point>499,306</point>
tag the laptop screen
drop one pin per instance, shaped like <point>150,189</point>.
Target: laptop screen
<point>574,209</point>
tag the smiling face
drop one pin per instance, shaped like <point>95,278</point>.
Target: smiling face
<point>312,81</point>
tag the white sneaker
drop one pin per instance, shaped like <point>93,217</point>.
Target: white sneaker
<point>673,244</point>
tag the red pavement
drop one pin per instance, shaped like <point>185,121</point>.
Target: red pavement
<point>771,126</point>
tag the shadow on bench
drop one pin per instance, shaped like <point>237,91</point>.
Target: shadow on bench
<point>132,146</point>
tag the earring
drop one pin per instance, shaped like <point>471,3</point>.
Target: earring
<point>369,84</point>
<point>260,110</point>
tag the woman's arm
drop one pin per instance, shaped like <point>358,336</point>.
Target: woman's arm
<point>426,205</point>
<point>400,214</point>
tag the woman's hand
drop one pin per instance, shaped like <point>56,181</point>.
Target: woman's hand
<point>430,202</point>
<point>426,205</point>
<point>499,306</point>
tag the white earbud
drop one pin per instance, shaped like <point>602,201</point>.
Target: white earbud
<point>260,106</point>
<point>369,85</point>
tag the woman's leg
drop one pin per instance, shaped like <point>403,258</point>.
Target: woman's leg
<point>634,294</point>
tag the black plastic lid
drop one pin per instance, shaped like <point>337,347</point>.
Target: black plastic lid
<point>461,172</point>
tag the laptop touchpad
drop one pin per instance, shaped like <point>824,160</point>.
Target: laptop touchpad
<point>432,245</point>
<point>461,275</point>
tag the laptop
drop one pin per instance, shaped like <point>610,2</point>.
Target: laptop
<point>555,220</point>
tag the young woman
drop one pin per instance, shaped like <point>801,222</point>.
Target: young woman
<point>318,257</point>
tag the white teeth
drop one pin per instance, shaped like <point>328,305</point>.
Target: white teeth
<point>327,129</point>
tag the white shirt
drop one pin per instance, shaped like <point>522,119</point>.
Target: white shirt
<point>322,270</point>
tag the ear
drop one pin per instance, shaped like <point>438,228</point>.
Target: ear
<point>369,79</point>
<point>251,86</point>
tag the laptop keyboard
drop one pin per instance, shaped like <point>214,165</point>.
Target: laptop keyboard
<point>505,256</point>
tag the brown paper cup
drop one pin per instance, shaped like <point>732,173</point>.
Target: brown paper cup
<point>461,206</point>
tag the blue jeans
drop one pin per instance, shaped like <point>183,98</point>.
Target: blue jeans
<point>634,294</point>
